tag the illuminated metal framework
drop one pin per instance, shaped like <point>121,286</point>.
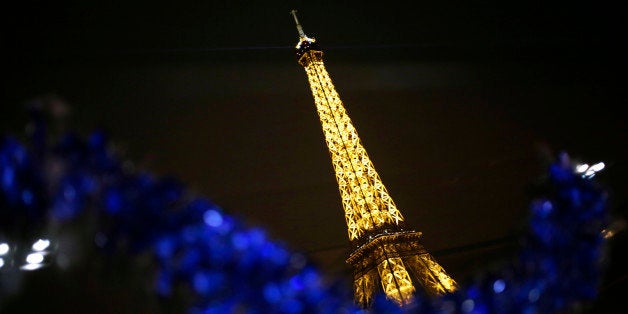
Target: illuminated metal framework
<point>384,251</point>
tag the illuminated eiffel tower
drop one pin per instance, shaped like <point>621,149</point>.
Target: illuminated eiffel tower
<point>384,251</point>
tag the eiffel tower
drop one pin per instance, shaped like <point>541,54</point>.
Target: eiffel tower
<point>384,251</point>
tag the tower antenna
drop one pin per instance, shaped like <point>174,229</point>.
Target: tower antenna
<point>296,20</point>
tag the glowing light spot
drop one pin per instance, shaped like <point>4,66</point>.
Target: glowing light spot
<point>589,172</point>
<point>34,258</point>
<point>607,233</point>
<point>598,167</point>
<point>1,262</point>
<point>4,248</point>
<point>31,266</point>
<point>212,218</point>
<point>41,245</point>
<point>296,283</point>
<point>499,286</point>
<point>467,305</point>
<point>582,168</point>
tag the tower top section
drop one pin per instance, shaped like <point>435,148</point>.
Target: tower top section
<point>299,28</point>
<point>305,43</point>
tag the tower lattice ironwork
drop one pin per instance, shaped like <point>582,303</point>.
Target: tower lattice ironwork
<point>384,251</point>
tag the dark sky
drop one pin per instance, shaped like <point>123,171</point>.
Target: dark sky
<point>460,106</point>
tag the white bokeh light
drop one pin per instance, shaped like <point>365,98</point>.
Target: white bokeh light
<point>590,171</point>
<point>598,167</point>
<point>34,258</point>
<point>582,168</point>
<point>4,248</point>
<point>41,245</point>
<point>32,266</point>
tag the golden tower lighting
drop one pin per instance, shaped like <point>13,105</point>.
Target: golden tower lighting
<point>384,251</point>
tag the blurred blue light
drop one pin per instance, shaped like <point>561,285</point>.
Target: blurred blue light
<point>212,218</point>
<point>547,207</point>
<point>240,241</point>
<point>164,248</point>
<point>69,192</point>
<point>272,293</point>
<point>467,305</point>
<point>8,175</point>
<point>473,292</point>
<point>27,197</point>
<point>275,253</point>
<point>191,259</point>
<point>201,282</point>
<point>113,202</point>
<point>311,278</point>
<point>499,286</point>
<point>534,295</point>
<point>296,282</point>
<point>257,237</point>
<point>291,306</point>
<point>164,283</point>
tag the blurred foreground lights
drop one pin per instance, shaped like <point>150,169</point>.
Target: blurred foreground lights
<point>614,228</point>
<point>4,248</point>
<point>589,171</point>
<point>32,266</point>
<point>607,233</point>
<point>35,258</point>
<point>33,261</point>
<point>467,305</point>
<point>212,218</point>
<point>499,286</point>
<point>41,245</point>
<point>34,255</point>
<point>582,168</point>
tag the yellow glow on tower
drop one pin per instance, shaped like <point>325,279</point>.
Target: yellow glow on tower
<point>384,251</point>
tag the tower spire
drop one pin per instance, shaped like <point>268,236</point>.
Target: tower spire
<point>299,28</point>
<point>385,252</point>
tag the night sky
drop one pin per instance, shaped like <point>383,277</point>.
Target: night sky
<point>460,106</point>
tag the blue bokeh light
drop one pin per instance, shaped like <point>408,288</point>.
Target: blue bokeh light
<point>499,286</point>
<point>212,218</point>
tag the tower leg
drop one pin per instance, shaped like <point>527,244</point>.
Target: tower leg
<point>430,274</point>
